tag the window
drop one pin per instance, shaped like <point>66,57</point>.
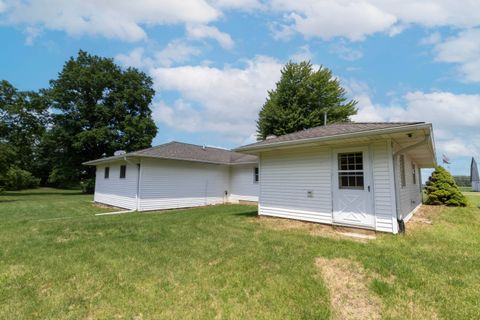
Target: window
<point>350,171</point>
<point>256,176</point>
<point>106,173</point>
<point>414,173</point>
<point>402,171</point>
<point>123,171</point>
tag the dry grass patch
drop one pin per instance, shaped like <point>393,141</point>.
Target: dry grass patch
<point>425,216</point>
<point>347,283</point>
<point>316,229</point>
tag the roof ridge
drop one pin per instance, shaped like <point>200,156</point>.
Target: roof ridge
<point>201,146</point>
<point>153,147</point>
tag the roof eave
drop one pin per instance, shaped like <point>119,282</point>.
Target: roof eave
<point>256,149</point>
<point>125,157</point>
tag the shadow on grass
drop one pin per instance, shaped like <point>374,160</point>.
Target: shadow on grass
<point>6,201</point>
<point>40,193</point>
<point>247,214</point>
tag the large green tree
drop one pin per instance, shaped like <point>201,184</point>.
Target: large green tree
<point>300,99</point>
<point>23,119</point>
<point>98,108</point>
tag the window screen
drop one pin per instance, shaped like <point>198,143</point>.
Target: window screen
<point>402,170</point>
<point>350,170</point>
<point>414,173</point>
<point>107,172</point>
<point>123,171</point>
<point>256,175</point>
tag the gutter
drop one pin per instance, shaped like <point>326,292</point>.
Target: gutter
<point>399,129</point>
<point>124,158</point>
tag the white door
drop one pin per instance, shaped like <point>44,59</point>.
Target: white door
<point>352,198</point>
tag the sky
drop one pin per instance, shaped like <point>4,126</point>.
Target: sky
<point>213,61</point>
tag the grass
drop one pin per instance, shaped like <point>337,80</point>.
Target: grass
<point>59,261</point>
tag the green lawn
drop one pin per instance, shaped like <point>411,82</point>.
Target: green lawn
<point>59,261</point>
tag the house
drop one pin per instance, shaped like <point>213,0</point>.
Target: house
<point>175,175</point>
<point>474,178</point>
<point>364,175</point>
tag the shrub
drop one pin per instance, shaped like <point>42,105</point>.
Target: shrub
<point>88,185</point>
<point>442,190</point>
<point>18,179</point>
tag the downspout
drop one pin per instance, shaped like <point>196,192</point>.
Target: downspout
<point>401,223</point>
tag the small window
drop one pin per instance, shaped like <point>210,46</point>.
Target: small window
<point>350,171</point>
<point>256,177</point>
<point>123,171</point>
<point>414,173</point>
<point>107,172</point>
<point>402,171</point>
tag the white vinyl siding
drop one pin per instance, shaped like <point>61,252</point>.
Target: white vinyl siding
<point>409,195</point>
<point>167,184</point>
<point>115,191</point>
<point>383,187</point>
<point>296,184</point>
<point>242,183</point>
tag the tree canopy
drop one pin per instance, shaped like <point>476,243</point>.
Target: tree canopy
<point>23,121</point>
<point>300,99</point>
<point>94,107</point>
<point>98,109</point>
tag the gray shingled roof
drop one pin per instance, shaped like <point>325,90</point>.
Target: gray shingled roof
<point>330,130</point>
<point>188,152</point>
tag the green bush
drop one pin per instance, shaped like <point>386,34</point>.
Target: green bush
<point>442,190</point>
<point>18,179</point>
<point>88,185</point>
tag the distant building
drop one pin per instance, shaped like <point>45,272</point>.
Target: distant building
<point>474,176</point>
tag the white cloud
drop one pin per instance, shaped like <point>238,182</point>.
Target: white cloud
<point>431,39</point>
<point>455,117</point>
<point>135,58</point>
<point>445,109</point>
<point>238,4</point>
<point>3,6</point>
<point>31,34</point>
<point>355,20</point>
<point>221,100</point>
<point>329,19</point>
<point>120,19</point>
<point>345,52</point>
<point>208,32</point>
<point>303,54</point>
<point>191,119</point>
<point>464,50</point>
<point>177,51</point>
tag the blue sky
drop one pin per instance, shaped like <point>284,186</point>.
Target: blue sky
<point>213,61</point>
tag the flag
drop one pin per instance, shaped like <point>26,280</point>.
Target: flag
<point>445,159</point>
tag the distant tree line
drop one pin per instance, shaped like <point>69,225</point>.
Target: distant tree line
<point>463,181</point>
<point>92,109</point>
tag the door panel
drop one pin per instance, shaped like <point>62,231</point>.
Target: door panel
<point>352,199</point>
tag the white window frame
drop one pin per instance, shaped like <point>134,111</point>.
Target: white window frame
<point>355,171</point>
